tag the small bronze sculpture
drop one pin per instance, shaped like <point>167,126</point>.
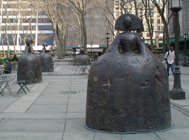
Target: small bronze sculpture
<point>128,86</point>
<point>46,60</point>
<point>82,58</point>
<point>29,65</point>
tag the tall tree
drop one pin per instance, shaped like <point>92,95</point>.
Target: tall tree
<point>148,17</point>
<point>54,11</point>
<point>80,7</point>
<point>161,8</point>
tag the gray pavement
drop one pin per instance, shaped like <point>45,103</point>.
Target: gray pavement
<point>55,110</point>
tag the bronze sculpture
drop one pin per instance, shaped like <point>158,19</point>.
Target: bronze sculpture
<point>128,87</point>
<point>29,65</point>
<point>82,58</point>
<point>46,60</point>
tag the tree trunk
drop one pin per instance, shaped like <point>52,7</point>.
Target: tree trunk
<point>59,47</point>
<point>161,12</point>
<point>7,41</point>
<point>167,36</point>
<point>84,34</point>
<point>136,8</point>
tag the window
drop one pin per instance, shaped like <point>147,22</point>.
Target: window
<point>162,28</point>
<point>44,20</point>
<point>158,28</point>
<point>11,39</point>
<point>48,38</point>
<point>158,21</point>
<point>45,27</point>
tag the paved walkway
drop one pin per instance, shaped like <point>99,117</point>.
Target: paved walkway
<point>55,110</point>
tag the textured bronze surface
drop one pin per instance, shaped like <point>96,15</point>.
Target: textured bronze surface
<point>128,88</point>
<point>29,66</point>
<point>136,23</point>
<point>82,59</point>
<point>46,61</point>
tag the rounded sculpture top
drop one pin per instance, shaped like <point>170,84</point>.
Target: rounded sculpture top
<point>29,41</point>
<point>44,45</point>
<point>129,19</point>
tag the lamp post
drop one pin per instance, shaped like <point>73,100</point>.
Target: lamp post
<point>107,38</point>
<point>185,50</point>
<point>185,37</point>
<point>176,92</point>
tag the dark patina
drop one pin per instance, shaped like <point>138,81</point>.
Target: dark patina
<point>29,65</point>
<point>46,60</point>
<point>82,58</point>
<point>128,87</point>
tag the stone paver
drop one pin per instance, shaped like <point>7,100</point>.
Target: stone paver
<point>30,136</point>
<point>175,134</point>
<point>24,102</point>
<point>140,137</point>
<point>104,136</point>
<point>32,125</point>
<point>56,108</point>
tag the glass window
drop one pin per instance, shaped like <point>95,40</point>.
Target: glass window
<point>158,28</point>
<point>158,21</point>
<point>48,38</point>
<point>45,27</point>
<point>44,20</point>
<point>11,39</point>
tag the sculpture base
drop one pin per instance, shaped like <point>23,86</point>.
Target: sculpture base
<point>131,132</point>
<point>177,94</point>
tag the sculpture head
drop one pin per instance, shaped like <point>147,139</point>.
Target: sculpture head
<point>44,44</point>
<point>29,41</point>
<point>127,23</point>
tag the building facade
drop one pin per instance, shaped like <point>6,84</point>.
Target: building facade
<point>22,18</point>
<point>185,16</point>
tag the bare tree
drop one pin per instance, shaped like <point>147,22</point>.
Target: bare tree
<point>123,7</point>
<point>161,8</point>
<point>148,17</point>
<point>54,11</point>
<point>108,13</point>
<point>6,28</point>
<point>26,12</point>
<point>80,7</point>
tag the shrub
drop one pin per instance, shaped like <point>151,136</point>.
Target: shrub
<point>156,51</point>
<point>14,58</point>
<point>1,61</point>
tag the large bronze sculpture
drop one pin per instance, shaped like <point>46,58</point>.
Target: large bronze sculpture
<point>46,60</point>
<point>128,86</point>
<point>29,65</point>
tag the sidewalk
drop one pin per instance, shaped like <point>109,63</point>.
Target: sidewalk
<point>55,110</point>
